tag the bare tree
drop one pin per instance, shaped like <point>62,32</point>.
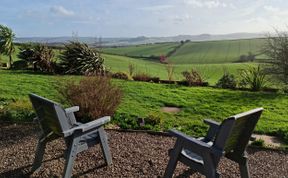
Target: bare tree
<point>276,50</point>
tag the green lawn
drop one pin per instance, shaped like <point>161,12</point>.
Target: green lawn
<point>142,98</point>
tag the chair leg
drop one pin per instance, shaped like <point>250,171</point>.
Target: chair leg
<point>70,157</point>
<point>104,146</point>
<point>244,170</point>
<point>39,155</point>
<point>173,160</point>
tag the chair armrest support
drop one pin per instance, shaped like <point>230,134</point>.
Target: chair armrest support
<point>90,126</point>
<point>72,109</point>
<point>197,146</point>
<point>213,129</point>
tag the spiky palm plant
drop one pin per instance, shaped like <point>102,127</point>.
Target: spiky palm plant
<point>78,58</point>
<point>253,77</point>
<point>7,42</point>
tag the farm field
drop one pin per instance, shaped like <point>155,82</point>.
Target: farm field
<point>216,51</point>
<point>204,52</point>
<point>140,99</point>
<point>145,50</point>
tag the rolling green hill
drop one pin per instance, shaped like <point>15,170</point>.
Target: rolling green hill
<point>212,52</point>
<point>205,52</point>
<point>211,72</point>
<point>143,50</point>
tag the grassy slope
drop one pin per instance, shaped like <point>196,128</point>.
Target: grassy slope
<point>142,98</point>
<point>212,72</point>
<point>143,50</point>
<point>216,51</point>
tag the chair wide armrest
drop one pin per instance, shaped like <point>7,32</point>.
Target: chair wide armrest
<point>213,129</point>
<point>72,109</point>
<point>87,126</point>
<point>93,124</point>
<point>197,146</point>
<point>211,123</point>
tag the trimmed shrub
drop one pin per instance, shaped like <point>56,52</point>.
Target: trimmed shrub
<point>193,78</point>
<point>120,75</point>
<point>227,81</point>
<point>96,97</point>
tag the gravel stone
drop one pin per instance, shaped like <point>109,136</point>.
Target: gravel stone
<point>134,154</point>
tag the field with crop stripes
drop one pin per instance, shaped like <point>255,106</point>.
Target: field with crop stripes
<point>146,50</point>
<point>212,52</point>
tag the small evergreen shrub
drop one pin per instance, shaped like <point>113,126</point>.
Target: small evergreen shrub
<point>154,119</point>
<point>227,81</point>
<point>125,121</point>
<point>96,97</point>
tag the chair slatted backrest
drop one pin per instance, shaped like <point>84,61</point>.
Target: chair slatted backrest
<point>235,132</point>
<point>51,116</point>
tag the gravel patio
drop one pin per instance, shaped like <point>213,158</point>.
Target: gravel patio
<point>135,154</point>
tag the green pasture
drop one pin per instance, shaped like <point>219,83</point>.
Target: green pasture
<point>211,52</point>
<point>140,99</point>
<point>145,50</point>
<point>204,52</point>
<point>210,72</point>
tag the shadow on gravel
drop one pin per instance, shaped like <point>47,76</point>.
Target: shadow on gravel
<point>89,170</point>
<point>19,172</point>
<point>24,171</point>
<point>10,133</point>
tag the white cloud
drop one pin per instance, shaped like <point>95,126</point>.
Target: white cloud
<point>206,3</point>
<point>156,8</point>
<point>271,8</point>
<point>60,10</point>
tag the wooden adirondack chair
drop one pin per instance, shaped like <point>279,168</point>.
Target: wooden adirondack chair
<point>57,122</point>
<point>229,139</point>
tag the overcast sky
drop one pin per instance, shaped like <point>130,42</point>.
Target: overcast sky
<point>131,18</point>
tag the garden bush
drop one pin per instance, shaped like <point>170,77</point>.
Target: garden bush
<point>153,121</point>
<point>142,77</point>
<point>96,97</point>
<point>125,121</point>
<point>227,81</point>
<point>21,64</point>
<point>121,75</point>
<point>193,78</point>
